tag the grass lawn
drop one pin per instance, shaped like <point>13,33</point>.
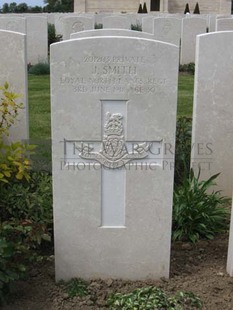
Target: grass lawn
<point>39,103</point>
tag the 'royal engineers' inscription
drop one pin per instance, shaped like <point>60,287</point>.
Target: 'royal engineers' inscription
<point>116,74</point>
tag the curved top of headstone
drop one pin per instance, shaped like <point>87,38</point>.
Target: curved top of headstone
<point>110,32</point>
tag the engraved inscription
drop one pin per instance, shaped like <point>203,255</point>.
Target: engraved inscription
<point>114,74</point>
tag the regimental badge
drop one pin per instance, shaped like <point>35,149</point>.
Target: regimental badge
<point>114,153</point>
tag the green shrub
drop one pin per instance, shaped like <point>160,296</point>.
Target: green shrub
<point>14,161</point>
<point>140,9</point>
<point>28,200</point>
<point>196,10</point>
<point>20,229</point>
<point>186,10</point>
<point>98,26</point>
<point>52,36</point>
<point>189,68</point>
<point>196,212</point>
<point>144,9</point>
<point>137,27</point>
<point>183,149</point>
<point>152,298</point>
<point>42,68</point>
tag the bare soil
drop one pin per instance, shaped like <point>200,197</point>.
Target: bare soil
<point>198,268</point>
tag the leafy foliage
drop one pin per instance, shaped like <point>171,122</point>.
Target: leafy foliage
<point>42,68</point>
<point>189,68</point>
<point>59,5</point>
<point>98,26</point>
<point>196,212</point>
<point>76,287</point>
<point>14,156</point>
<point>151,298</point>
<point>52,36</point>
<point>23,222</point>
<point>183,149</point>
<point>137,27</point>
<point>28,200</point>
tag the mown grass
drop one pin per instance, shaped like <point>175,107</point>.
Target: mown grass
<point>39,106</point>
<point>185,95</point>
<point>39,103</point>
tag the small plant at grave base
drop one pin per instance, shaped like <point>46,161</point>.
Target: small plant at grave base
<point>98,26</point>
<point>196,212</point>
<point>136,27</point>
<point>19,234</point>
<point>151,298</point>
<point>42,68</point>
<point>75,287</point>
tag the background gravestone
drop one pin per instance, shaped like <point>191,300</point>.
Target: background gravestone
<point>13,70</point>
<point>16,24</point>
<point>167,29</point>
<point>118,22</point>
<point>75,24</point>
<point>223,24</point>
<point>191,27</point>
<point>37,39</point>
<point>213,109</point>
<point>113,220</point>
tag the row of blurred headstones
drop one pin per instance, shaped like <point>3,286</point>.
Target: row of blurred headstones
<point>177,29</point>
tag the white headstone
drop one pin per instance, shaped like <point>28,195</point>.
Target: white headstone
<point>16,24</point>
<point>191,27</point>
<point>75,24</point>
<point>118,22</point>
<point>37,39</point>
<point>212,22</point>
<point>112,187</point>
<point>111,32</point>
<point>213,109</point>
<point>13,70</point>
<point>224,24</point>
<point>167,29</point>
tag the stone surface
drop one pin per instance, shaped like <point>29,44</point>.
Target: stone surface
<point>167,29</point>
<point>14,71</point>
<point>191,27</point>
<point>230,249</point>
<point>118,22</point>
<point>113,221</point>
<point>111,32</point>
<point>213,110</point>
<point>37,39</point>
<point>16,24</point>
<point>75,24</point>
<point>148,23</point>
<point>223,24</point>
